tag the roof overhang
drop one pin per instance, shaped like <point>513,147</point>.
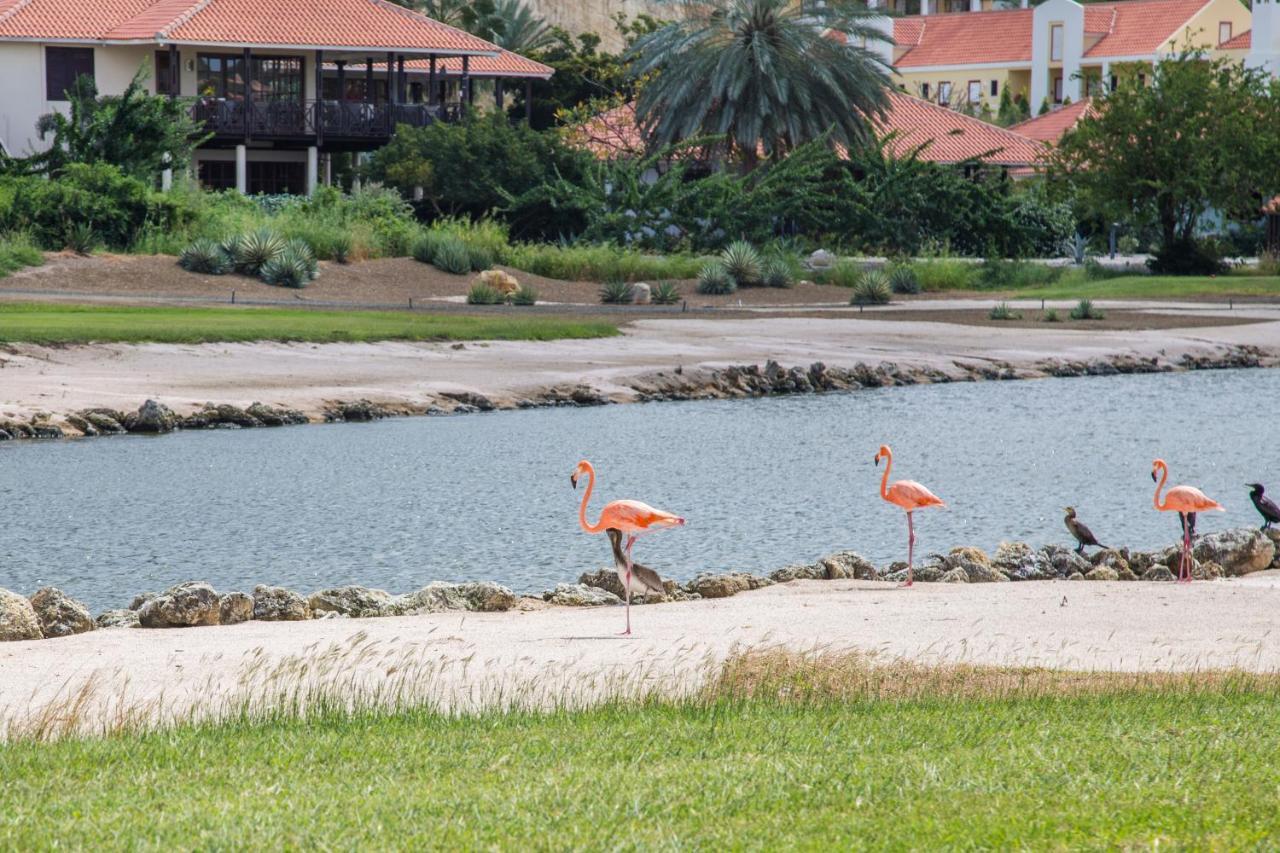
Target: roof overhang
<point>1017,65</point>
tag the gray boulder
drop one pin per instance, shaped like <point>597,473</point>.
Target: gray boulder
<point>277,604</point>
<point>118,619</point>
<point>976,565</point>
<point>356,601</point>
<point>1018,562</point>
<point>1239,551</point>
<point>184,605</point>
<point>488,597</point>
<point>580,595</point>
<point>1102,573</point>
<point>439,597</point>
<point>17,618</point>
<point>1158,572</point>
<point>848,564</point>
<point>141,599</point>
<point>1065,561</point>
<point>954,576</point>
<point>710,585</point>
<point>59,614</point>
<point>810,572</point>
<point>641,293</point>
<point>151,417</point>
<point>104,423</point>
<point>235,607</point>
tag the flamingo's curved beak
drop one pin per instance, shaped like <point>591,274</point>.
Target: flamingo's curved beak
<point>573,479</point>
<point>877,460</point>
<point>1153,476</point>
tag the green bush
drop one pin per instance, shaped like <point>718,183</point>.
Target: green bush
<point>1188,257</point>
<point>1127,245</point>
<point>903,279</point>
<point>844,273</point>
<point>17,252</point>
<point>525,296</point>
<point>938,274</point>
<point>997,274</point>
<point>743,263</point>
<point>255,250</point>
<point>665,293</point>
<point>293,266</point>
<point>451,256</point>
<point>425,246</point>
<point>616,292</point>
<point>600,263</point>
<point>1003,311</point>
<point>1084,310</point>
<point>483,294</point>
<point>872,289</point>
<point>481,258</point>
<point>1051,316</point>
<point>777,271</point>
<point>98,196</point>
<point>205,256</point>
<point>714,279</point>
<point>82,238</point>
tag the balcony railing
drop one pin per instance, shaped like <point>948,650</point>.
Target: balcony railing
<point>289,118</point>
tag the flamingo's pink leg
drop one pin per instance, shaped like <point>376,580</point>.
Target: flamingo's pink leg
<point>911,547</point>
<point>631,540</point>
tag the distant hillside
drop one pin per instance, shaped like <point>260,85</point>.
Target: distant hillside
<point>595,16</point>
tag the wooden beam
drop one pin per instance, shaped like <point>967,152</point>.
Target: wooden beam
<point>431,83</point>
<point>368,79</point>
<point>248,91</point>
<point>464,89</point>
<point>393,92</point>
<point>175,77</point>
<point>528,100</point>
<point>402,81</point>
<point>319,98</point>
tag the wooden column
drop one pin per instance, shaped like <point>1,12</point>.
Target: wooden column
<point>402,94</point>
<point>319,119</point>
<point>393,95</point>
<point>464,88</point>
<point>431,83</point>
<point>497,93</point>
<point>175,75</point>
<point>248,92</point>
<point>342,81</point>
<point>368,79</point>
<point>528,100</point>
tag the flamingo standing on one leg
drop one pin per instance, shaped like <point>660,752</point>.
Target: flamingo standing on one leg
<point>909,495</point>
<point>1186,501</point>
<point>631,518</point>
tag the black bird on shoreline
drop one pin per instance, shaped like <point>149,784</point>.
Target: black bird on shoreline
<point>1264,505</point>
<point>1083,534</point>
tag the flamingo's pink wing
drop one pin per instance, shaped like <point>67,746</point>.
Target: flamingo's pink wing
<point>1190,499</point>
<point>637,517</point>
<point>909,494</point>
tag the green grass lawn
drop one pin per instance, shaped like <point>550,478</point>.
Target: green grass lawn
<point>66,324</point>
<point>1153,287</point>
<point>1131,769</point>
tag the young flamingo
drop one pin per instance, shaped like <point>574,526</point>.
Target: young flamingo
<point>909,495</point>
<point>626,517</point>
<point>1185,501</point>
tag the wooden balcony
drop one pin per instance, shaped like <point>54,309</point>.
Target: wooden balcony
<point>313,121</point>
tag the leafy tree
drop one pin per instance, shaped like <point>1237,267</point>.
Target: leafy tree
<point>767,75</point>
<point>1202,137</point>
<point>522,31</point>
<point>140,134</point>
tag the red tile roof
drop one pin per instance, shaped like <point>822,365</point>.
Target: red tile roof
<point>1049,127</point>
<point>964,38</point>
<point>1243,41</point>
<point>1140,26</point>
<point>952,137</point>
<point>505,64</point>
<point>337,24</point>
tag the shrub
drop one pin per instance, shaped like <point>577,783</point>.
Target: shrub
<point>82,238</point>
<point>117,205</point>
<point>339,249</point>
<point>743,263</point>
<point>1003,311</point>
<point>483,294</point>
<point>17,252</point>
<point>903,279</point>
<point>939,274</point>
<point>425,246</point>
<point>873,289</point>
<point>452,256</point>
<point>1127,245</point>
<point>600,263</point>
<point>254,250</point>
<point>844,273</point>
<point>615,292</point>
<point>1084,310</point>
<point>665,293</point>
<point>481,258</point>
<point>777,271</point>
<point>293,266</point>
<point>205,256</point>
<point>1188,257</point>
<point>525,296</point>
<point>1051,316</point>
<point>714,279</point>
<point>1269,263</point>
<point>997,274</point>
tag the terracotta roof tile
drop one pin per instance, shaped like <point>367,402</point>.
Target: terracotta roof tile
<point>1243,41</point>
<point>964,38</point>
<point>1141,26</point>
<point>953,137</point>
<point>69,20</point>
<point>505,64</point>
<point>1049,127</point>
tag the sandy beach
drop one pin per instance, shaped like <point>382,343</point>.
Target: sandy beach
<point>309,376</point>
<point>558,654</point>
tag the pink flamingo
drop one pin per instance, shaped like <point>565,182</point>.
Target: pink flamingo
<point>632,518</point>
<point>1185,501</point>
<point>909,495</point>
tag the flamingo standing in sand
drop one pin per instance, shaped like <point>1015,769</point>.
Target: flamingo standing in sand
<point>909,495</point>
<point>632,518</point>
<point>1185,501</point>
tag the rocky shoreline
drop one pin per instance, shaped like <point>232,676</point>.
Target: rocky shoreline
<point>50,613</point>
<point>699,383</point>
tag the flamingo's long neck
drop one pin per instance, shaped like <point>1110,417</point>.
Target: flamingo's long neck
<point>884,481</point>
<point>1164,476</point>
<point>582,510</point>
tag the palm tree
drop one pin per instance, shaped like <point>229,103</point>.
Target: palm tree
<point>767,75</point>
<point>522,31</point>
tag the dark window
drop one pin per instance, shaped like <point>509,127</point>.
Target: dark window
<point>944,94</point>
<point>271,178</point>
<point>924,91</point>
<point>219,76</point>
<point>277,77</point>
<point>165,74</point>
<point>62,65</point>
<point>995,88</point>
<point>218,174</point>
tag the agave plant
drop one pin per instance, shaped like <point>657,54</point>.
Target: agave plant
<point>1084,310</point>
<point>301,251</point>
<point>525,296</point>
<point>483,294</point>
<point>903,279</point>
<point>290,268</point>
<point>82,238</point>
<point>616,292</point>
<point>776,272</point>
<point>205,256</point>
<point>665,293</point>
<point>451,256</point>
<point>714,279</point>
<point>872,289</point>
<point>255,249</point>
<point>1003,311</point>
<point>743,263</point>
<point>340,249</point>
<point>481,258</point>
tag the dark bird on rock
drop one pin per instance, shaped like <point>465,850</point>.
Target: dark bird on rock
<point>1083,534</point>
<point>636,579</point>
<point>1266,507</point>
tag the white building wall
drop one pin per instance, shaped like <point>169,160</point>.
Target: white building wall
<point>1264,46</point>
<point>1071,15</point>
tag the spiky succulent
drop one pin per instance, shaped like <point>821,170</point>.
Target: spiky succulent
<point>82,238</point>
<point>714,279</point>
<point>257,248</point>
<point>743,263</point>
<point>451,256</point>
<point>616,292</point>
<point>903,279</point>
<point>481,258</point>
<point>525,296</point>
<point>776,272</point>
<point>483,294</point>
<point>205,256</point>
<point>665,293</point>
<point>872,289</point>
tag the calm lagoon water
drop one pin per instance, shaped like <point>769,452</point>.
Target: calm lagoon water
<point>400,503</point>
